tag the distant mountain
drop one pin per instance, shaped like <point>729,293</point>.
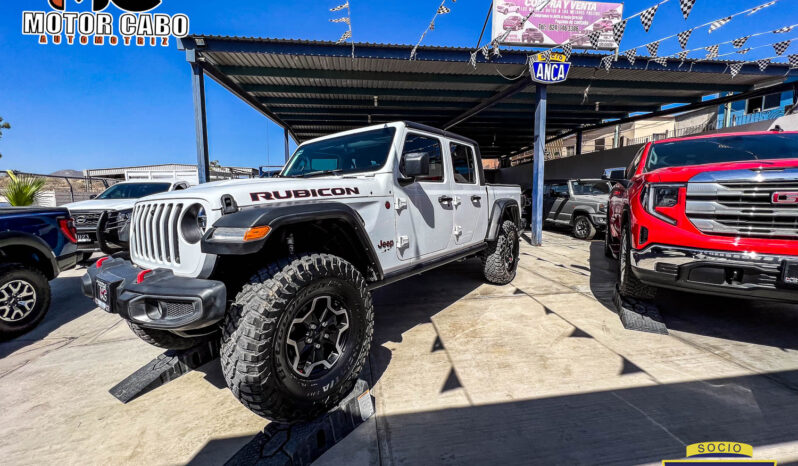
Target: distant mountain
<point>67,173</point>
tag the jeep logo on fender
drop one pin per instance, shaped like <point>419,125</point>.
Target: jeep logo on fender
<point>785,198</point>
<point>303,193</point>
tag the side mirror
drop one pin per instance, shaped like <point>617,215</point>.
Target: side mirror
<point>93,196</point>
<point>415,164</point>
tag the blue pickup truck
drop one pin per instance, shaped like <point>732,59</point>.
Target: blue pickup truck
<point>36,244</point>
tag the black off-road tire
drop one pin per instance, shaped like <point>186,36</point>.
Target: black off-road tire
<point>254,352</point>
<point>496,264</point>
<point>628,284</point>
<point>583,228</point>
<point>166,339</point>
<point>21,274</point>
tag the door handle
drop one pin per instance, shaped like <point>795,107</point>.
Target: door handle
<point>443,199</point>
<point>476,198</point>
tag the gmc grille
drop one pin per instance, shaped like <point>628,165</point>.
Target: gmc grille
<point>743,208</point>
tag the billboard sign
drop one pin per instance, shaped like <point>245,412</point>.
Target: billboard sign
<point>557,22</point>
<point>550,71</point>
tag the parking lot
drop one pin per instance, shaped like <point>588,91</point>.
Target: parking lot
<point>540,370</point>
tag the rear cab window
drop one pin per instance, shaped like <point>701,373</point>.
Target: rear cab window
<point>463,163</point>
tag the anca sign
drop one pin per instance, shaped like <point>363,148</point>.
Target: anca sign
<point>551,71</point>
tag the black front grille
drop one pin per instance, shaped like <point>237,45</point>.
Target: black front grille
<point>176,310</point>
<point>87,218</point>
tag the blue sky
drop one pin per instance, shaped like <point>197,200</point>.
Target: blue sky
<point>78,107</point>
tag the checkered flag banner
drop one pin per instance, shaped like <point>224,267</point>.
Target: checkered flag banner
<point>744,51</point>
<point>631,54</point>
<point>567,48</point>
<point>653,48</point>
<point>431,26</point>
<point>546,55</point>
<point>683,37</point>
<point>647,17</point>
<point>712,51</point>
<point>496,52</point>
<point>661,60</point>
<point>793,60</point>
<point>718,23</point>
<point>442,10</point>
<point>737,43</point>
<point>761,7</point>
<point>618,30</point>
<point>682,56</point>
<point>783,30</point>
<point>340,7</point>
<point>686,6</point>
<point>346,35</point>
<point>485,51</point>
<point>781,47</point>
<point>763,63</point>
<point>735,68</point>
<point>594,38</point>
<point>606,62</point>
<point>345,19</point>
<point>473,60</point>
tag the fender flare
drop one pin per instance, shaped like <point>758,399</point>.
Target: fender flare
<point>277,217</point>
<point>11,239</point>
<point>500,206</point>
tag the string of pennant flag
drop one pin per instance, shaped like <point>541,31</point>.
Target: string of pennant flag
<point>442,10</point>
<point>347,35</point>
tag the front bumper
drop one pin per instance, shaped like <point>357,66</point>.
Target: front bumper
<point>599,221</point>
<point>161,301</point>
<point>745,275</point>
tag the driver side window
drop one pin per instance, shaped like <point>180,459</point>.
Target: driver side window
<point>630,171</point>
<point>431,146</point>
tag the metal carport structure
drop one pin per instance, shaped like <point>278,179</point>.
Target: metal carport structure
<point>313,88</point>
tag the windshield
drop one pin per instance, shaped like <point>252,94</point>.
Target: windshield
<point>722,149</point>
<point>133,190</point>
<point>353,153</point>
<point>590,187</point>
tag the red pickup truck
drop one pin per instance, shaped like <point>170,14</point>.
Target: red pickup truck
<point>714,214</point>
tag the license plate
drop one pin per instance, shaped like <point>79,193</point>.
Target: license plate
<point>102,295</point>
<point>84,239</point>
<point>789,273</point>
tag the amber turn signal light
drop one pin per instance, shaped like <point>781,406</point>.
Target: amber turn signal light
<point>256,233</point>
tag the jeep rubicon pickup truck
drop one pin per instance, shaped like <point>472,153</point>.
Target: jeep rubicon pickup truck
<point>283,267</point>
<point>714,214</point>
<point>36,244</point>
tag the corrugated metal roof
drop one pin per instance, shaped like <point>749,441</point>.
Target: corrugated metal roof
<point>316,87</point>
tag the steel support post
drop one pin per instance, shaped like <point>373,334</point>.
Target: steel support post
<point>287,152</point>
<point>200,122</point>
<point>578,143</point>
<point>536,222</point>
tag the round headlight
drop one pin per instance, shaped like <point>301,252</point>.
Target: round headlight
<point>194,223</point>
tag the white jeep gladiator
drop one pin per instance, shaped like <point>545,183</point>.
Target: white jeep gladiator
<point>283,267</point>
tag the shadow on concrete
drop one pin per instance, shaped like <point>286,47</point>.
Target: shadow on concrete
<point>66,304</point>
<point>603,275</point>
<point>750,321</point>
<point>624,426</point>
<point>414,301</point>
<point>219,450</point>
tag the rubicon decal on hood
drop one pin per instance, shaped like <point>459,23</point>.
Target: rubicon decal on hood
<point>303,193</point>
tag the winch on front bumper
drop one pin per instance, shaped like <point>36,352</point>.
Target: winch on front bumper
<point>155,299</point>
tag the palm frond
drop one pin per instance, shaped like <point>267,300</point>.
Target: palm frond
<point>22,190</point>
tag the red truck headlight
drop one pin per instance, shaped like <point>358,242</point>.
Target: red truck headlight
<point>660,199</point>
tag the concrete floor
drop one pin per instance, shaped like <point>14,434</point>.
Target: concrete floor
<point>538,371</point>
